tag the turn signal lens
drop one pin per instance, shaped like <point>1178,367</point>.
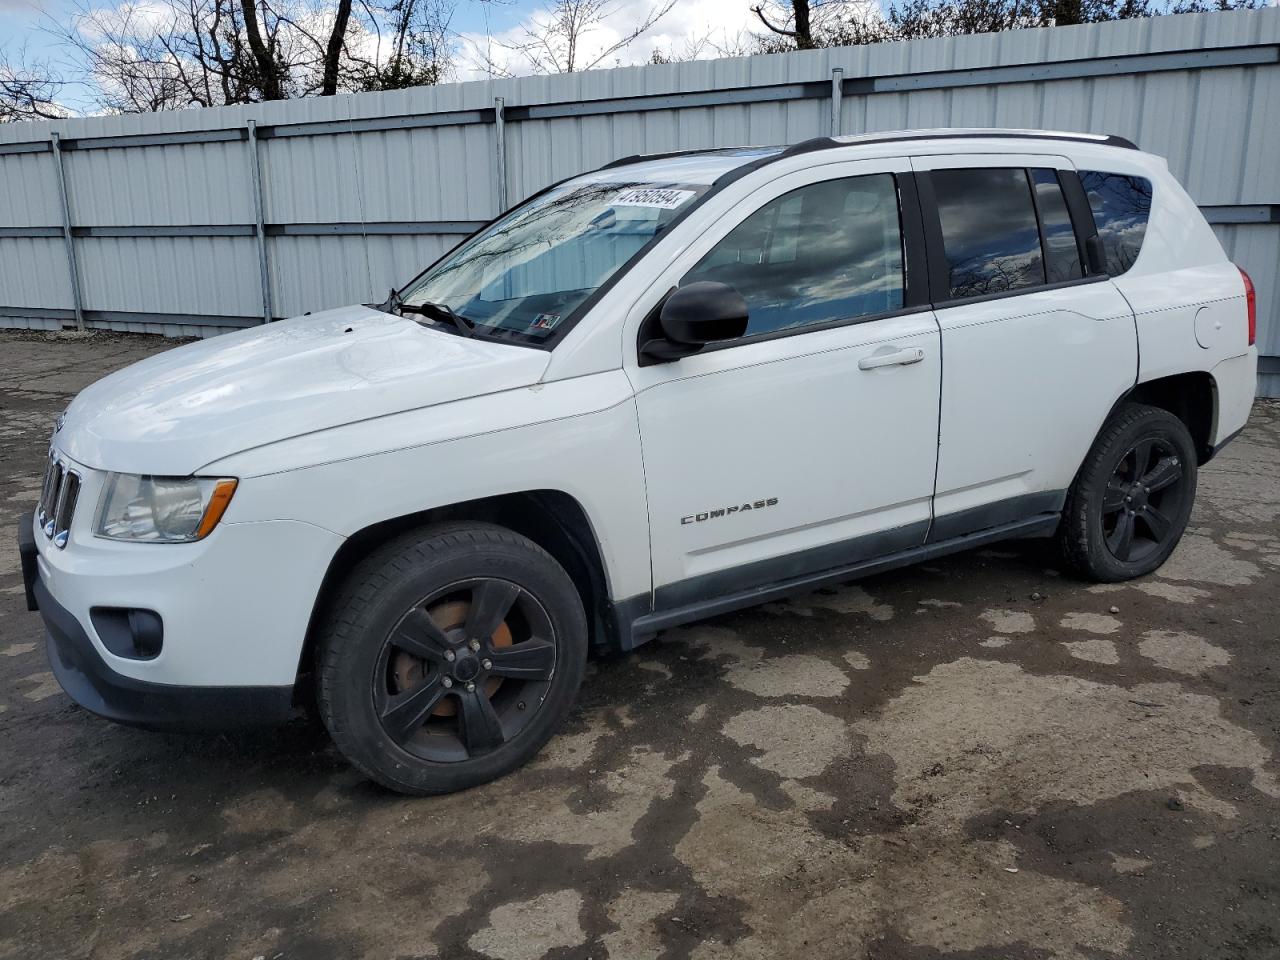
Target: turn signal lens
<point>218,503</point>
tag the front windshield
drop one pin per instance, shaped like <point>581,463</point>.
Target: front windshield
<point>524,275</point>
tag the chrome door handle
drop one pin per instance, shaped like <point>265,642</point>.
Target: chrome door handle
<point>894,358</point>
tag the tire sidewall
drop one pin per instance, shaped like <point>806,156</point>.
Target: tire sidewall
<point>1154,424</point>
<point>352,656</point>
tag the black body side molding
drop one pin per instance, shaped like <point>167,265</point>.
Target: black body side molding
<point>638,618</point>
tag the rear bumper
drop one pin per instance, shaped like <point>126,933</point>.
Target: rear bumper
<point>91,682</point>
<point>1236,383</point>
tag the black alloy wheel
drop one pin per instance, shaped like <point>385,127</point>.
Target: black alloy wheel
<point>1132,498</point>
<point>464,671</point>
<point>449,657</point>
<point>1143,497</point>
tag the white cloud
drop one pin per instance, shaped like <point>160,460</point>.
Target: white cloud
<point>703,28</point>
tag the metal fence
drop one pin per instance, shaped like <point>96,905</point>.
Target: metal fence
<point>191,222</point>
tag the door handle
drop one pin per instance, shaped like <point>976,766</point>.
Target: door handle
<point>892,359</point>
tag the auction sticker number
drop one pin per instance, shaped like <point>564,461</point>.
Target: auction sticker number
<point>659,197</point>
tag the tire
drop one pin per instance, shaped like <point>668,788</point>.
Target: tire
<point>1147,455</point>
<point>449,657</point>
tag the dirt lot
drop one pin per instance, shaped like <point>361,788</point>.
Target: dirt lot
<point>977,758</point>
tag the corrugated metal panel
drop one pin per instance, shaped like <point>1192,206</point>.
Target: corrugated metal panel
<point>316,273</point>
<point>394,260</point>
<point>435,173</point>
<point>1256,248</point>
<point>164,330</point>
<point>177,330</point>
<point>205,183</point>
<point>433,157</point>
<point>33,273</point>
<point>29,323</point>
<point>310,180</point>
<point>28,191</point>
<point>179,275</point>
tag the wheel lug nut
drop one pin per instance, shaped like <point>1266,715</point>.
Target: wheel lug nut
<point>449,655</point>
<point>487,664</point>
<point>447,682</point>
<point>474,644</point>
<point>471,688</point>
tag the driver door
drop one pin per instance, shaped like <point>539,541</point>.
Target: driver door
<point>810,443</point>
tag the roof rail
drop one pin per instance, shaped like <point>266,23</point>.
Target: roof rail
<point>828,143</point>
<point>1106,140</point>
<point>667,155</point>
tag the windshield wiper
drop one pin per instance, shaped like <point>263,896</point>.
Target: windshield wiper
<point>393,304</point>
<point>437,310</point>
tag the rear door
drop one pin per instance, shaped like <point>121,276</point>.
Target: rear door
<point>809,444</point>
<point>1035,351</point>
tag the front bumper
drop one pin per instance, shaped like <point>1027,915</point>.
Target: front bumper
<point>87,677</point>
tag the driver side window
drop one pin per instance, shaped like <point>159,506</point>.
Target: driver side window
<point>825,252</point>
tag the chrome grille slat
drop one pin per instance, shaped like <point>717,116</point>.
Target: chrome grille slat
<point>55,491</point>
<point>66,508</point>
<point>57,504</point>
<point>47,491</point>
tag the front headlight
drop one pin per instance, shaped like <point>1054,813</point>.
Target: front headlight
<point>161,509</point>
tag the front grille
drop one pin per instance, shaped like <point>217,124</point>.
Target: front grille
<point>58,496</point>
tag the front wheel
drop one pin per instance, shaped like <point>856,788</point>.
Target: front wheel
<point>1131,501</point>
<point>449,658</point>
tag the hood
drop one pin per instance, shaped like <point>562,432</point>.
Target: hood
<point>175,412</point>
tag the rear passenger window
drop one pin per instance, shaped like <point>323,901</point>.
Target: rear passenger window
<point>826,252</point>
<point>1061,254</point>
<point>989,230</point>
<point>1121,205</point>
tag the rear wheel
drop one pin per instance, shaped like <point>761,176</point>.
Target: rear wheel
<point>1130,503</point>
<point>450,657</point>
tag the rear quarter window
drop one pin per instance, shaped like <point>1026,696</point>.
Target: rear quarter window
<point>1121,206</point>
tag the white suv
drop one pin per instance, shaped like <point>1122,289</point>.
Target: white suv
<point>667,389</point>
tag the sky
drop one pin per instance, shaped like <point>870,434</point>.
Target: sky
<point>724,21</point>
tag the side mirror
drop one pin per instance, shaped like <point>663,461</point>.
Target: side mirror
<point>690,318</point>
<point>1096,252</point>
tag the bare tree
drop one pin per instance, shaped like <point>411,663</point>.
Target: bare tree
<point>557,38</point>
<point>805,24</point>
<point>146,55</point>
<point>28,91</point>
<point>802,24</point>
<point>333,49</point>
<point>417,50</point>
<point>271,73</point>
<point>707,45</point>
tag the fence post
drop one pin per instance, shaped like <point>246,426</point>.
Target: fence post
<point>72,267</point>
<point>837,91</point>
<point>260,225</point>
<point>500,149</point>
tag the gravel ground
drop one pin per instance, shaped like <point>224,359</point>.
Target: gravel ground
<point>976,758</point>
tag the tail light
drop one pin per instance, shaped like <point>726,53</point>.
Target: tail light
<point>1251,302</point>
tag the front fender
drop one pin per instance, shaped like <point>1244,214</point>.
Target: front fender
<point>580,436</point>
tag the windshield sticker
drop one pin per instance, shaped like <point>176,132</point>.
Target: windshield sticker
<point>546,321</point>
<point>658,197</point>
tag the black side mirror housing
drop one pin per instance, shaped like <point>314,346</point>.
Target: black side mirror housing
<point>1096,252</point>
<point>691,317</point>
